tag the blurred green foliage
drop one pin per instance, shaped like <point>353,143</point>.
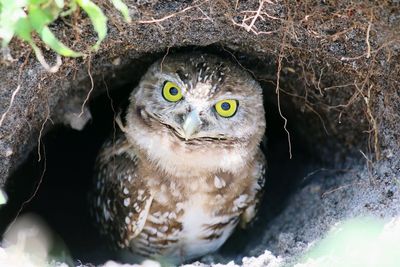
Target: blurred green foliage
<point>359,242</point>
<point>21,18</point>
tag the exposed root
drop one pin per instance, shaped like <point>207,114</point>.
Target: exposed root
<point>372,120</point>
<point>39,141</point>
<point>341,188</point>
<point>40,136</point>
<point>34,193</point>
<point>173,14</point>
<point>250,18</point>
<point>15,92</point>
<point>162,60</point>
<point>240,64</point>
<point>369,166</point>
<point>112,107</point>
<point>321,170</point>
<point>367,40</point>
<point>309,106</point>
<point>369,53</point>
<point>43,62</point>
<point>91,88</point>
<point>277,89</point>
<point>115,115</point>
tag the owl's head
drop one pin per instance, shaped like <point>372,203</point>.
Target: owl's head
<point>197,101</point>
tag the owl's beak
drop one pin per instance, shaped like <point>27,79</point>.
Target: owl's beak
<point>191,124</point>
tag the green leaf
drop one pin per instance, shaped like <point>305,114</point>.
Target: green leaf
<point>23,29</point>
<point>48,38</point>
<point>99,20</point>
<point>38,17</point>
<point>11,12</point>
<point>38,2</point>
<point>118,4</point>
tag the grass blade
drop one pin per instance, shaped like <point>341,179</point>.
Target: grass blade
<point>99,20</point>
<point>48,38</point>
<point>123,8</point>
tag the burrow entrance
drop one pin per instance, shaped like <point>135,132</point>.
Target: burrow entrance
<point>67,159</point>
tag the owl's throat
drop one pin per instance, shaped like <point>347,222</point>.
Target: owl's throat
<point>179,157</point>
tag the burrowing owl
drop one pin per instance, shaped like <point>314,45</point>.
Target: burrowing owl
<point>187,168</point>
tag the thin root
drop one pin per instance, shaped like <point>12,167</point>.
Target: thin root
<point>10,105</point>
<point>91,89</point>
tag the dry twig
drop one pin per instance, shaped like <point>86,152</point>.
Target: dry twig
<point>277,89</point>
<point>173,14</point>
<point>33,193</point>
<point>372,120</point>
<point>251,16</point>
<point>10,105</point>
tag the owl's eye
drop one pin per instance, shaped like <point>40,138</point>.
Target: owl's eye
<point>226,108</point>
<point>171,92</point>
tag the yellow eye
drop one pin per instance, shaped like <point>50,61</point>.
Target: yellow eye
<point>171,92</point>
<point>226,108</point>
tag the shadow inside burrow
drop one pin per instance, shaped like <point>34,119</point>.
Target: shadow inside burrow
<point>68,158</point>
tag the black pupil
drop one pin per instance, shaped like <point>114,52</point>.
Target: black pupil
<point>225,106</point>
<point>173,91</point>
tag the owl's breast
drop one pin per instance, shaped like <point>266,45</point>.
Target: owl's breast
<point>203,230</point>
<point>202,227</point>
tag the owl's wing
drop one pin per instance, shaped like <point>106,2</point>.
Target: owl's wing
<point>120,200</point>
<point>257,190</point>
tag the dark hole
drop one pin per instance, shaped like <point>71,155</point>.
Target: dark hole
<point>69,156</point>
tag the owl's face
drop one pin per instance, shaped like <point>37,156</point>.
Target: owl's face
<point>200,101</point>
<point>201,97</point>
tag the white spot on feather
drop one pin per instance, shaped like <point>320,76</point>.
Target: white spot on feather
<point>240,202</point>
<point>172,215</point>
<point>162,198</point>
<point>139,224</point>
<point>106,213</point>
<point>150,230</point>
<point>219,182</point>
<point>127,201</point>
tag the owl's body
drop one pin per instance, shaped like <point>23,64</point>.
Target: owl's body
<point>185,172</point>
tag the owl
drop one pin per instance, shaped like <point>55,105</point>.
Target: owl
<point>187,167</point>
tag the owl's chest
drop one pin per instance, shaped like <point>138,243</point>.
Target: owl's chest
<point>203,229</point>
<point>200,222</point>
